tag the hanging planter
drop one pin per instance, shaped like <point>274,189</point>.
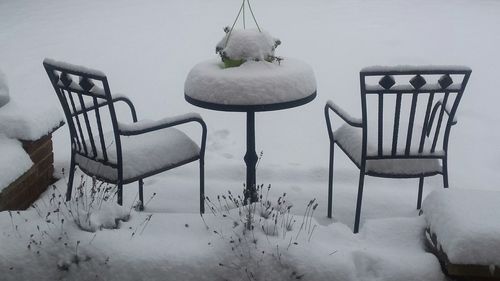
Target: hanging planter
<point>250,74</point>
<point>241,45</point>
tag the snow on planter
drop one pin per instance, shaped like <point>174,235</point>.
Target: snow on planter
<point>15,161</point>
<point>253,82</point>
<point>466,224</point>
<point>243,45</point>
<point>4,90</point>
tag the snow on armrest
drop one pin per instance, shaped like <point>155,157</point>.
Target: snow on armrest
<point>89,104</point>
<point>144,126</point>
<point>344,115</point>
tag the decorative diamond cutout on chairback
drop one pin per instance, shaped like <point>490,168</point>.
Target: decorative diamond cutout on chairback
<point>445,81</point>
<point>387,82</point>
<point>418,81</point>
<point>54,77</point>
<point>86,84</point>
<point>66,79</point>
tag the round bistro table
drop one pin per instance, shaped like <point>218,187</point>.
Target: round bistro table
<point>251,105</point>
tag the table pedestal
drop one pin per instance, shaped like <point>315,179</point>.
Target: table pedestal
<point>251,159</point>
<point>235,89</point>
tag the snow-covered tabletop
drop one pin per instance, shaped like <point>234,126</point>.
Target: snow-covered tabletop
<point>466,224</point>
<point>253,84</point>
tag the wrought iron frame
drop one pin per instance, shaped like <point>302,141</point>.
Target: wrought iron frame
<point>89,85</point>
<point>251,157</point>
<point>414,88</point>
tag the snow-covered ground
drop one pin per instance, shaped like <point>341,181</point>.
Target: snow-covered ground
<point>147,49</point>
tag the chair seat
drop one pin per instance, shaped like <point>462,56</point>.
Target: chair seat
<point>143,155</point>
<point>350,139</point>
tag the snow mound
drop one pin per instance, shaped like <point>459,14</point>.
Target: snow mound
<point>28,120</point>
<point>466,224</point>
<point>15,161</point>
<point>251,83</point>
<point>108,217</point>
<point>4,90</point>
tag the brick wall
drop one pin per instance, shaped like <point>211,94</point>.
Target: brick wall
<point>20,194</point>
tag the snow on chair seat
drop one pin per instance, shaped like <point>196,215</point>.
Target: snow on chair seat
<point>349,139</point>
<point>143,154</point>
<point>463,230</point>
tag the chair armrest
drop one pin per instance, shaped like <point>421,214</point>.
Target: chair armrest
<point>124,99</point>
<point>145,126</point>
<point>356,122</point>
<point>116,98</point>
<point>447,109</point>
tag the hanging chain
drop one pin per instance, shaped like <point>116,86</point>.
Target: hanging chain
<point>253,16</point>
<point>242,10</point>
<point>244,20</point>
<point>234,23</point>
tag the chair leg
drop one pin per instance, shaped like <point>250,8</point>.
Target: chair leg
<point>330,182</point>
<point>119,191</point>
<point>141,195</point>
<point>360,198</point>
<point>202,186</point>
<point>445,173</point>
<point>420,190</point>
<point>71,176</point>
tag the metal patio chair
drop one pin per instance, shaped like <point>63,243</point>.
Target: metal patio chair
<point>130,152</point>
<point>412,109</point>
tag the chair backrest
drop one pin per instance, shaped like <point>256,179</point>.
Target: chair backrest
<point>83,93</point>
<point>414,108</point>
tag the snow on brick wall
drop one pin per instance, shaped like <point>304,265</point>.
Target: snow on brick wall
<point>29,120</point>
<point>33,169</point>
<point>14,161</point>
<point>4,90</point>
